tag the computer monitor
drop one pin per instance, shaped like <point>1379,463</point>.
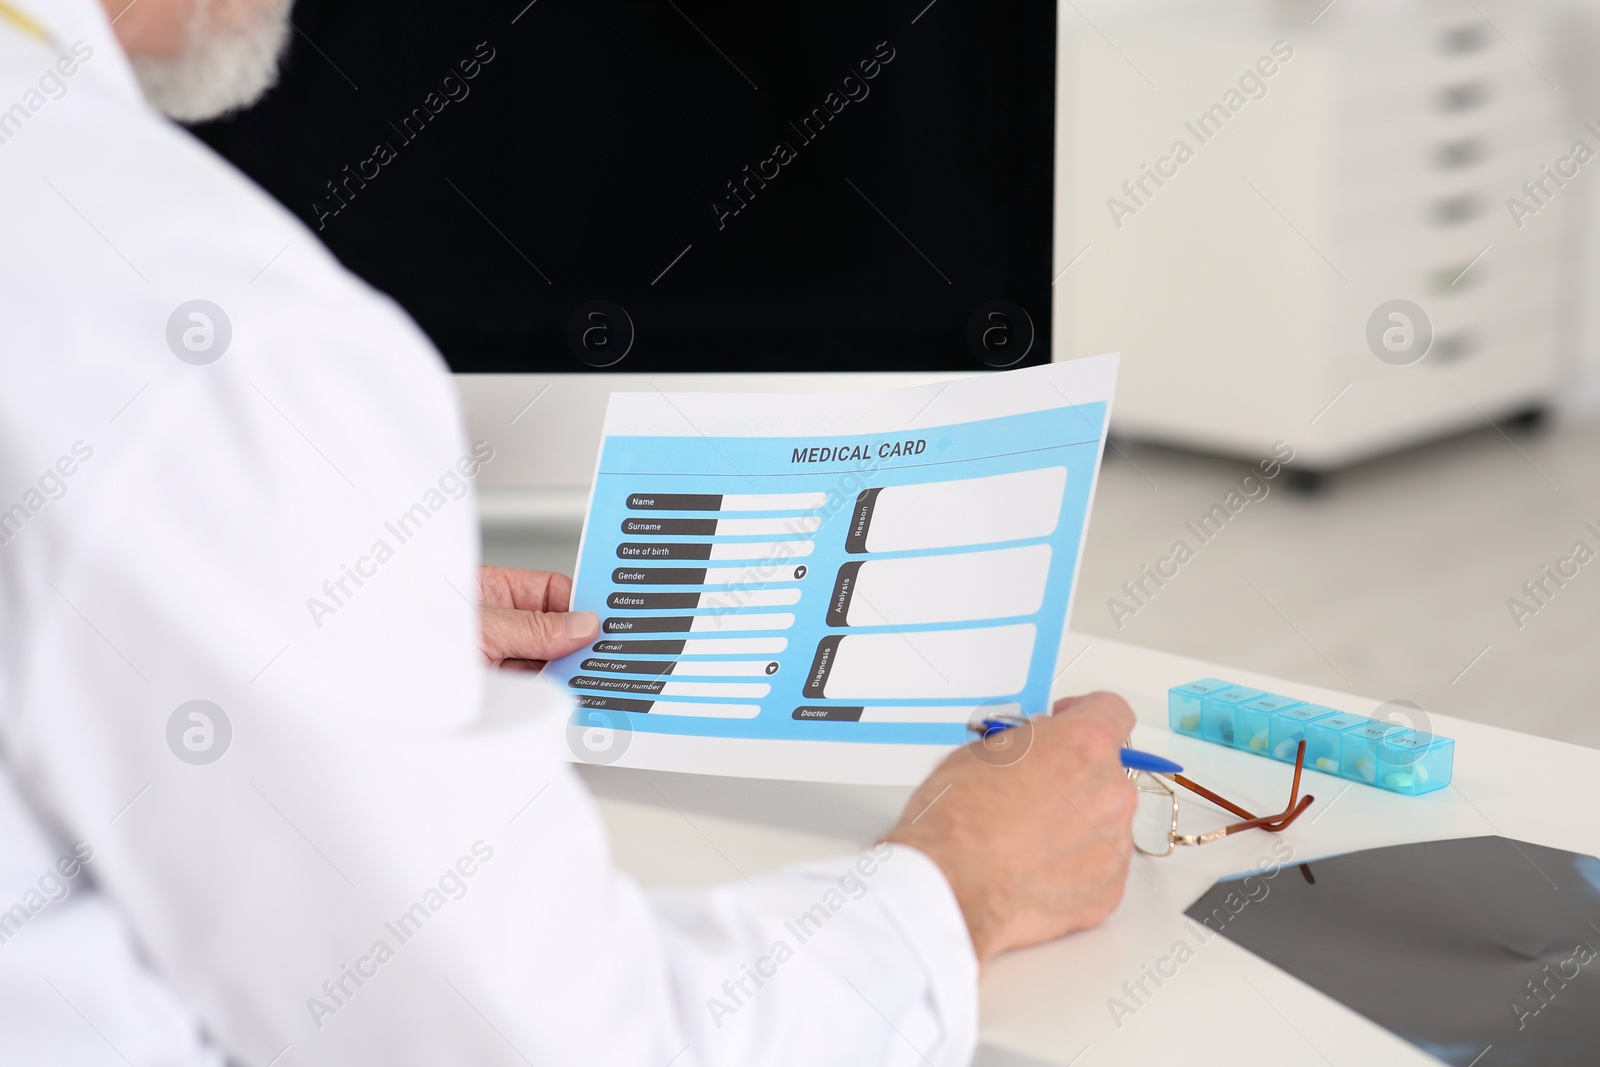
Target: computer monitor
<point>576,197</point>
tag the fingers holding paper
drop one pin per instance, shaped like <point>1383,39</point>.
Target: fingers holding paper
<point>526,616</point>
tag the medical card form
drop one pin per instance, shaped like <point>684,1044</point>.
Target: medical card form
<point>830,586</point>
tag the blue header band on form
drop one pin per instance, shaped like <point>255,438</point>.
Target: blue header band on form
<point>772,457</point>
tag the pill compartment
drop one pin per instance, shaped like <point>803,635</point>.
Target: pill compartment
<point>1287,729</point>
<point>1382,753</point>
<point>1416,763</point>
<point>1252,721</point>
<point>1358,748</point>
<point>1322,740</point>
<point>1183,704</point>
<point>1217,712</point>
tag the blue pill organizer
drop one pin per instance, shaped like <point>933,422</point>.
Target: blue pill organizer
<point>1353,747</point>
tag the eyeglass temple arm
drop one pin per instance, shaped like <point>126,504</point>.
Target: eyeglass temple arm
<point>1274,823</point>
<point>1269,822</point>
<point>1219,801</point>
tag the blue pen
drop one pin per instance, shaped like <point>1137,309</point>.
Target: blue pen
<point>1132,758</point>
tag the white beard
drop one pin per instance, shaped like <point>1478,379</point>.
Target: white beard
<point>224,65</point>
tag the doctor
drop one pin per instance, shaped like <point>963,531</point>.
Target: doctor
<point>241,664</point>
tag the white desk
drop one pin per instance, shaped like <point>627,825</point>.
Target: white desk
<point>1048,1004</point>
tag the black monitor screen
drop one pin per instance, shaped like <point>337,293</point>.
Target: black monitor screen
<point>679,185</point>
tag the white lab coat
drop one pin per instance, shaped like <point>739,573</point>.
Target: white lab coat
<point>165,526</point>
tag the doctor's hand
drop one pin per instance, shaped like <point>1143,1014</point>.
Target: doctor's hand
<point>526,618</point>
<point>1034,840</point>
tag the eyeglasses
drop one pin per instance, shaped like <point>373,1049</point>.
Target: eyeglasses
<point>1155,821</point>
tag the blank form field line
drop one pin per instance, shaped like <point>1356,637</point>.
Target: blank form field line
<point>658,686</point>
<point>682,624</point>
<point>727,501</point>
<point>711,668</point>
<point>778,620</point>
<point>716,689</point>
<point>779,550</point>
<point>701,710</point>
<point>773,501</point>
<point>734,646</point>
<point>650,526</point>
<point>694,646</point>
<point>724,601</point>
<point>961,714</point>
<point>743,576</point>
<point>736,600</point>
<point>692,708</point>
<point>658,668</point>
<point>661,552</point>
<point>752,575</point>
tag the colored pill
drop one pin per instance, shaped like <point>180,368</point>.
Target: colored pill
<point>1191,722</point>
<point>1326,764</point>
<point>1398,780</point>
<point>1225,731</point>
<point>1258,743</point>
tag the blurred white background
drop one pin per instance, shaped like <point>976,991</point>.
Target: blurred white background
<point>1431,151</point>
